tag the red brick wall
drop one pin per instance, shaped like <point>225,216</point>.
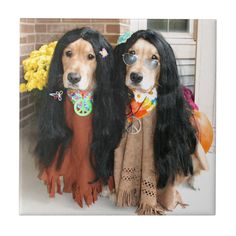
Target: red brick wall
<point>27,44</point>
<point>38,31</point>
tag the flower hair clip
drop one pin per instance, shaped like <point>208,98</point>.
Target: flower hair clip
<point>104,53</point>
<point>124,37</point>
<point>57,95</point>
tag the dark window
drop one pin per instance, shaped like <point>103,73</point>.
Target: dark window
<point>167,25</point>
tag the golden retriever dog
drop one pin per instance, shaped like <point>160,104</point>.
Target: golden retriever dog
<point>160,121</point>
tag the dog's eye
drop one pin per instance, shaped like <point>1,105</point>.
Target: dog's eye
<point>68,53</point>
<point>91,56</point>
<point>132,52</point>
<point>154,57</point>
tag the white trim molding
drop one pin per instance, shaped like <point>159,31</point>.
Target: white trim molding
<point>205,80</point>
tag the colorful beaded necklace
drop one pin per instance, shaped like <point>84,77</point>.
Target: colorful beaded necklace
<point>140,106</point>
<point>142,103</point>
<point>82,101</point>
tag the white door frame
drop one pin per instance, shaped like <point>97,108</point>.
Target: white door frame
<point>205,80</point>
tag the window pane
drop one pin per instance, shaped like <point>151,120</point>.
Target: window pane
<point>167,25</point>
<point>178,25</point>
<point>160,25</point>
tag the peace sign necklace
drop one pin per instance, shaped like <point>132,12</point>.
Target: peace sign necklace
<point>82,101</point>
<point>134,124</point>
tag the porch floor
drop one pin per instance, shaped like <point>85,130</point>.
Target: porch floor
<point>34,198</point>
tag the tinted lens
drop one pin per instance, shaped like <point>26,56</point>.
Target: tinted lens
<point>151,63</point>
<point>129,59</point>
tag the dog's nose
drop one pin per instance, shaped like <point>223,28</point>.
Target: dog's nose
<point>136,77</point>
<point>73,78</point>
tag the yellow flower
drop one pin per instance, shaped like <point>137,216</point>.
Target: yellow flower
<point>23,88</point>
<point>31,85</point>
<point>28,75</point>
<point>36,67</point>
<point>35,53</point>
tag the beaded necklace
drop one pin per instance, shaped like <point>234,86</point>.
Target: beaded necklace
<point>82,101</point>
<point>140,106</point>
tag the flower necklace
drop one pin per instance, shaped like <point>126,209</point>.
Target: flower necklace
<point>82,101</point>
<point>140,106</point>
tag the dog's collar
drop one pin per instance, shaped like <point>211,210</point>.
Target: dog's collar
<point>82,101</point>
<point>142,104</point>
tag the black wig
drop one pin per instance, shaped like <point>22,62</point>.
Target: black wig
<point>174,138</point>
<point>54,135</point>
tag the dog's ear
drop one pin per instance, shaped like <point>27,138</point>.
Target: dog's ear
<point>51,121</point>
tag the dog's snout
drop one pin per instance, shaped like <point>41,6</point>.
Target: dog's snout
<point>73,78</point>
<point>136,77</point>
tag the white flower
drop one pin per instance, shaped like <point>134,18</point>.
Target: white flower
<point>139,96</point>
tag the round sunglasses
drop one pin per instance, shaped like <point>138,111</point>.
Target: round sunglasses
<point>130,59</point>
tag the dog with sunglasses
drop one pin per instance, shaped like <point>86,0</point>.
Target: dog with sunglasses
<point>165,141</point>
<point>79,126</point>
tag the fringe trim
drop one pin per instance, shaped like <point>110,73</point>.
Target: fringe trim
<point>90,196</point>
<point>53,183</point>
<point>145,209</point>
<point>127,198</point>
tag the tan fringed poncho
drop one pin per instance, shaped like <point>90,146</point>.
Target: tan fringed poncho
<point>76,168</point>
<point>135,175</point>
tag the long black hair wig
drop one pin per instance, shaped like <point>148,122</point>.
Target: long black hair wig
<point>54,134</point>
<point>174,138</point>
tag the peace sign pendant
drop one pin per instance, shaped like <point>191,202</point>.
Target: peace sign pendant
<point>134,126</point>
<point>83,107</point>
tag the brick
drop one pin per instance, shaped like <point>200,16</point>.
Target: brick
<point>67,27</point>
<point>79,26</point>
<point>125,21</point>
<point>23,102</point>
<point>26,49</point>
<point>31,98</point>
<point>22,79</point>
<point>48,20</point>
<point>113,28</point>
<point>23,40</point>
<point>124,29</point>
<point>38,45</point>
<point>27,28</point>
<point>46,38</point>
<point>21,74</point>
<point>27,111</point>
<point>24,123</point>
<point>31,39</point>
<point>22,58</point>
<point>23,95</point>
<point>27,20</point>
<point>112,38</point>
<point>98,27</point>
<point>76,20</point>
<point>39,28</point>
<point>55,28</point>
<point>105,20</point>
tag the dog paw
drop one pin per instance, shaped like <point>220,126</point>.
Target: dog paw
<point>112,197</point>
<point>193,184</point>
<point>105,191</point>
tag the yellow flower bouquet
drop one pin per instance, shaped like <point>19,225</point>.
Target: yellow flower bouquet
<point>36,68</point>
